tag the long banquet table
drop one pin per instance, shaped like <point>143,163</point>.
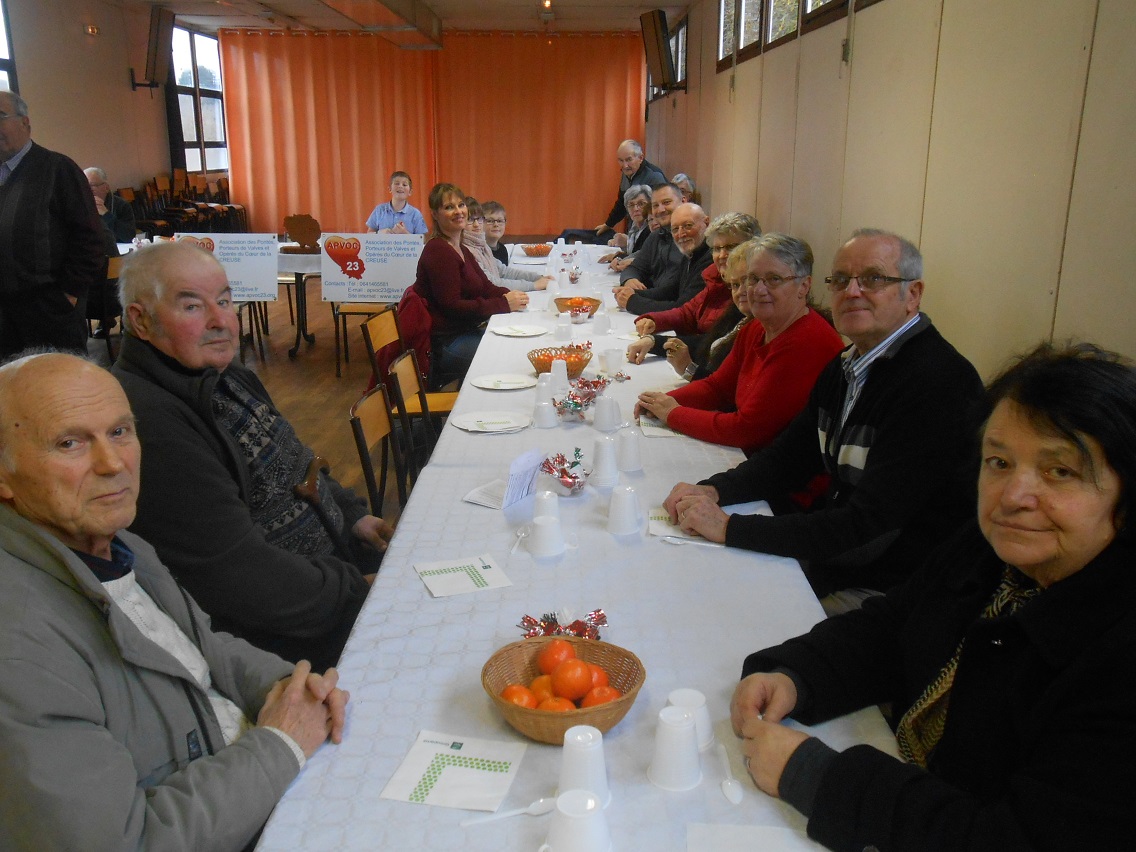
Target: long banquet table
<point>413,662</point>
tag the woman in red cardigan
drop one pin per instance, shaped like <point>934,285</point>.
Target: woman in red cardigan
<point>460,298</point>
<point>766,379</point>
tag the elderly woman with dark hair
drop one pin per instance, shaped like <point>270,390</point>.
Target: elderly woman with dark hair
<point>457,292</point>
<point>1007,657</point>
<point>766,379</point>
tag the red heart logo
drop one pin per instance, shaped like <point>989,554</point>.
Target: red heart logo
<point>344,251</point>
<point>205,243</point>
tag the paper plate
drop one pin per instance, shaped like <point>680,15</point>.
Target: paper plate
<point>491,421</point>
<point>519,330</point>
<point>503,381</point>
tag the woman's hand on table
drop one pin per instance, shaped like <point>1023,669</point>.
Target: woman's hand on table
<point>638,350</point>
<point>644,326</point>
<point>678,355</point>
<point>659,405</point>
<point>767,747</point>
<point>684,490</point>
<point>543,282</point>
<point>517,300</point>
<point>701,514</point>
<point>622,294</point>
<point>609,257</point>
<point>620,263</point>
<point>373,531</point>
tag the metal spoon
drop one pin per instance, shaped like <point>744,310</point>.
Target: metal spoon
<point>731,787</point>
<point>540,806</point>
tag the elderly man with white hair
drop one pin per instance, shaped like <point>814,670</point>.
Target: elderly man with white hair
<point>126,722</point>
<point>220,466</point>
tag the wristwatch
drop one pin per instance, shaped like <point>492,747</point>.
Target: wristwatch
<point>688,373</point>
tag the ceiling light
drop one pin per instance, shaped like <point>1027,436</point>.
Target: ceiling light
<point>547,4</point>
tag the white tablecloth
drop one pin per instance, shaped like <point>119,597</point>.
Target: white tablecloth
<point>413,662</point>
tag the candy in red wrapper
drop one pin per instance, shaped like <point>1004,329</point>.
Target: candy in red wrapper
<point>566,477</point>
<point>549,624</point>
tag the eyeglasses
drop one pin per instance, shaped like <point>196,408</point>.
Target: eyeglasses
<point>476,220</point>
<point>726,249</point>
<point>737,285</point>
<point>871,282</point>
<point>494,221</point>
<point>684,228</point>
<point>771,282</point>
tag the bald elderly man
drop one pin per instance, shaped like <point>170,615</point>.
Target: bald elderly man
<point>220,464</point>
<point>126,722</point>
<point>688,224</point>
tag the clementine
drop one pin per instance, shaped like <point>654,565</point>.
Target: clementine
<point>599,676</point>
<point>522,696</point>
<point>572,679</point>
<point>553,654</point>
<point>542,687</point>
<point>556,705</point>
<point>600,695</point>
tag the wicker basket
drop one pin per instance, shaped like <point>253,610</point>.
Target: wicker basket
<point>566,304</point>
<point>541,250</point>
<point>516,663</point>
<point>577,359</point>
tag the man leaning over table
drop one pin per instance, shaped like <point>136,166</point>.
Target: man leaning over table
<point>219,466</point>
<point>891,421</point>
<point>688,224</point>
<point>126,721</point>
<point>658,262</point>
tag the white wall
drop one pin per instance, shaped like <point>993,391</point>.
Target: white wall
<point>78,86</point>
<point>996,136</point>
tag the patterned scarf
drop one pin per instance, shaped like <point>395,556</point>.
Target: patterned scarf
<point>921,727</point>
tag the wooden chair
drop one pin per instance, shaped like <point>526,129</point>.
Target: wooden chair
<point>412,407</point>
<point>382,330</point>
<point>339,313</point>
<point>102,303</point>
<point>372,424</point>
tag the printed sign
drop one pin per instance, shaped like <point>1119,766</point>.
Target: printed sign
<point>369,267</point>
<point>249,260</point>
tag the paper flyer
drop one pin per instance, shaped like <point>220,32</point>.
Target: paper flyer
<point>456,772</point>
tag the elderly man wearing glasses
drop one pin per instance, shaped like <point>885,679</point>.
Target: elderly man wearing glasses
<point>688,224</point>
<point>891,422</point>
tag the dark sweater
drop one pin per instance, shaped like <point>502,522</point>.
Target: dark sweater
<point>903,469</point>
<point>193,508</point>
<point>50,234</point>
<point>680,290</point>
<point>1040,734</point>
<point>657,263</point>
<point>647,174</point>
<point>456,290</point>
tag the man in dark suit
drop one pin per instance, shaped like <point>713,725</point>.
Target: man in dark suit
<point>51,245</point>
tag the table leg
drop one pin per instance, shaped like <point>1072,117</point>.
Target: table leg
<point>301,316</point>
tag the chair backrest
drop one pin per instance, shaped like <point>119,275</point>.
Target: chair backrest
<point>114,268</point>
<point>415,326</point>
<point>383,339</point>
<point>405,383</point>
<point>372,424</point>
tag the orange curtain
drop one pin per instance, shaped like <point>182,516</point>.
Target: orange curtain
<point>317,122</point>
<point>533,121</point>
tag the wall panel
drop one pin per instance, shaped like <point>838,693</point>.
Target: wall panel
<point>1097,299</point>
<point>778,136</point>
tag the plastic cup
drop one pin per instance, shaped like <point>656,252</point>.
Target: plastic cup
<point>613,360</point>
<point>608,416</point>
<point>623,516</point>
<point>563,329</point>
<point>578,824</point>
<point>605,471</point>
<point>544,415</point>
<point>544,387</point>
<point>559,373</point>
<point>601,323</point>
<point>676,765</point>
<point>627,451</point>
<point>546,538</point>
<point>582,763</point>
<point>546,504</point>
<point>695,702</point>
<point>563,279</point>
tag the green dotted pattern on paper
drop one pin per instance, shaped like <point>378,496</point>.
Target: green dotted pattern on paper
<point>471,570</point>
<point>441,761</point>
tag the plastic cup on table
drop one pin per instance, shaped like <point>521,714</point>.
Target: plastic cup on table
<point>559,371</point>
<point>601,323</point>
<point>563,328</point>
<point>546,504</point>
<point>563,280</point>
<point>627,451</point>
<point>695,702</point>
<point>623,514</point>
<point>613,360</point>
<point>608,416</point>
<point>582,764</point>
<point>675,765</point>
<point>605,471</point>
<point>578,824</point>
<point>544,414</point>
<point>546,538</point>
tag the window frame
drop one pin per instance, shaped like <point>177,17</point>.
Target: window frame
<point>9,65</point>
<point>178,144</point>
<point>828,12</point>
<point>682,30</point>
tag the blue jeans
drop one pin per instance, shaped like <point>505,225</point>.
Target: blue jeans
<point>453,355</point>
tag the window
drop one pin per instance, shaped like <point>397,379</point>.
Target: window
<point>200,102</point>
<point>782,19</point>
<point>751,22</point>
<point>748,27</point>
<point>726,29</point>
<point>7,66</point>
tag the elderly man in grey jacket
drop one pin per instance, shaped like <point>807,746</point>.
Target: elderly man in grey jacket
<point>126,722</point>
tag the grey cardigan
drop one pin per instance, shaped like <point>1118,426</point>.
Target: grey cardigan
<point>99,724</point>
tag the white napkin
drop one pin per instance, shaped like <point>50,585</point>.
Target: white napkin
<point>459,576</point>
<point>456,772</point>
<point>659,521</point>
